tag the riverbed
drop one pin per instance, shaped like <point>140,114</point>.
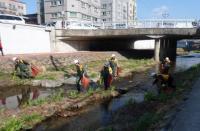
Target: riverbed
<point>99,115</point>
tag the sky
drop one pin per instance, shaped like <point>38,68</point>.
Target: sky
<point>31,6</point>
<point>177,9</point>
<point>149,9</point>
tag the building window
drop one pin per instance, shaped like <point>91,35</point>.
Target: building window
<point>10,6</point>
<point>2,5</point>
<point>104,13</point>
<point>73,14</point>
<point>89,17</point>
<point>53,3</point>
<point>54,15</point>
<point>59,2</point>
<point>95,9</point>
<point>59,14</point>
<point>94,19</point>
<point>104,19</point>
<point>104,6</point>
<point>83,4</point>
<point>84,16</point>
<point>109,12</point>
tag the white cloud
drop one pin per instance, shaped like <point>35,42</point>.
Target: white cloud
<point>161,12</point>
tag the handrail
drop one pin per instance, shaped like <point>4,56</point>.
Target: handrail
<point>146,23</point>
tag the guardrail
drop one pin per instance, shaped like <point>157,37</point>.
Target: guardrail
<point>153,23</point>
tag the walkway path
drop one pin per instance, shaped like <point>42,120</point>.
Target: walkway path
<point>188,119</point>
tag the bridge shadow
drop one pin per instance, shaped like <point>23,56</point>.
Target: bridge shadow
<point>137,54</point>
<point>198,31</point>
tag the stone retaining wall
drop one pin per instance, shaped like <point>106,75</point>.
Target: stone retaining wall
<point>60,59</point>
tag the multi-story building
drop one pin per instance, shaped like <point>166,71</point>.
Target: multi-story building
<point>14,7</point>
<point>78,10</point>
<point>118,11</point>
<point>40,11</point>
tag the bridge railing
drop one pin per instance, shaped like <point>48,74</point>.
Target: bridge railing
<point>154,23</point>
<point>166,23</point>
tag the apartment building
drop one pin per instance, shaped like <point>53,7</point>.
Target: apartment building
<point>13,7</point>
<point>77,10</point>
<point>40,11</point>
<point>118,11</point>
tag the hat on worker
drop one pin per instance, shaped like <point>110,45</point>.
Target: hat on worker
<point>167,59</point>
<point>76,61</point>
<point>14,58</point>
<point>113,55</point>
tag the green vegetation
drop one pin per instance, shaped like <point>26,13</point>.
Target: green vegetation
<point>94,75</point>
<point>146,120</point>
<point>135,64</point>
<point>92,68</point>
<point>56,96</point>
<point>149,96</point>
<point>196,51</point>
<point>49,75</point>
<point>131,101</point>
<point>37,102</point>
<point>186,79</point>
<point>162,97</point>
<point>184,82</point>
<point>73,94</point>
<point>23,122</point>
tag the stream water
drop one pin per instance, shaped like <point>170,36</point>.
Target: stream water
<point>100,115</point>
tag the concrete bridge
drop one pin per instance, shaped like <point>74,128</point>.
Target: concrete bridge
<point>165,38</point>
<point>23,39</point>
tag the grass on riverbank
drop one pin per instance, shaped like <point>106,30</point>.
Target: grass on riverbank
<point>184,82</point>
<point>55,97</point>
<point>196,51</point>
<point>18,123</point>
<point>93,68</point>
<point>150,115</point>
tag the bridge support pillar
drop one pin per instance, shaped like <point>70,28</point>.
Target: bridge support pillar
<point>157,50</point>
<point>168,49</point>
<point>165,48</point>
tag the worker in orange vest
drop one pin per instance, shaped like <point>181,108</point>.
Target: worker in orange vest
<point>106,75</point>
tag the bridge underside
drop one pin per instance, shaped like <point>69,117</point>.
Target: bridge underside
<point>120,40</point>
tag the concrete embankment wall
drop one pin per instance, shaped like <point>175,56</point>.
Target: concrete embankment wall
<point>59,59</point>
<point>22,39</point>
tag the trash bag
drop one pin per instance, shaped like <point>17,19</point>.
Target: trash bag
<point>34,70</point>
<point>85,82</point>
<point>110,80</point>
<point>119,70</point>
